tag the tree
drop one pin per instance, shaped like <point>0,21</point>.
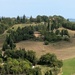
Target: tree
<point>31,57</point>
<point>1,60</point>
<point>55,70</point>
<point>31,19</point>
<point>50,60</point>
<point>8,44</point>
<point>38,19</point>
<point>44,18</point>
<point>12,45</point>
<point>5,46</point>
<point>64,32</point>
<point>57,32</point>
<point>49,73</point>
<point>24,64</point>
<point>0,53</point>
<point>24,19</point>
<point>48,27</point>
<point>18,19</point>
<point>59,64</point>
<point>53,26</point>
<point>37,71</point>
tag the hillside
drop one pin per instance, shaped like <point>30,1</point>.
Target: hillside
<point>55,35</point>
<point>64,50</point>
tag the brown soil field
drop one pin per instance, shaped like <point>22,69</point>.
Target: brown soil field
<point>63,50</point>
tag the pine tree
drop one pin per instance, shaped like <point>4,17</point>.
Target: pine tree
<point>24,19</point>
<point>48,27</point>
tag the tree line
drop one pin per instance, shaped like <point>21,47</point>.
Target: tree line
<point>69,25</point>
<point>58,21</point>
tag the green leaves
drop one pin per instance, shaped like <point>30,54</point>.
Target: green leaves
<point>50,60</point>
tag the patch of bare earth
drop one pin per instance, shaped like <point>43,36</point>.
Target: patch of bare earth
<point>63,50</point>
<point>73,74</point>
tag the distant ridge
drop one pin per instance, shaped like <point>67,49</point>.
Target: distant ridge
<point>72,20</point>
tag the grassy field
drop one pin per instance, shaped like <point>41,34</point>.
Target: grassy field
<point>22,25</point>
<point>69,67</point>
<point>14,27</point>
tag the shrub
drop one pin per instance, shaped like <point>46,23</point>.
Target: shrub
<point>12,27</point>
<point>46,43</point>
<point>9,31</point>
<point>66,39</point>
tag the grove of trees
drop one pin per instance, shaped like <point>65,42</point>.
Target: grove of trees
<point>15,62</point>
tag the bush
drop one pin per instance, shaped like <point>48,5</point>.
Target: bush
<point>48,72</point>
<point>59,38</point>
<point>66,39</point>
<point>23,54</point>
<point>12,27</point>
<point>50,60</point>
<point>46,43</point>
<point>9,31</point>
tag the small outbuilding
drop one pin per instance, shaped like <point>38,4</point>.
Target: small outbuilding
<point>37,34</point>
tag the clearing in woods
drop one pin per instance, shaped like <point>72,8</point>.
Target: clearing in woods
<point>63,49</point>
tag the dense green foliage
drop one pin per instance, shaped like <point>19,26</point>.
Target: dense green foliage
<point>22,54</point>
<point>57,36</point>
<point>69,25</point>
<point>6,23</point>
<point>55,21</point>
<point>9,43</point>
<point>18,62</point>
<point>13,66</point>
<point>2,28</point>
<point>50,60</point>
<point>22,62</point>
<point>18,66</point>
<point>48,73</point>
